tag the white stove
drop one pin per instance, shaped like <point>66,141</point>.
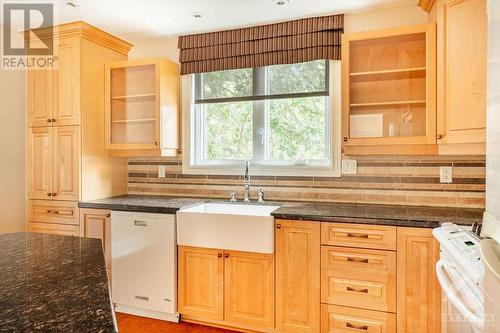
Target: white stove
<point>460,271</point>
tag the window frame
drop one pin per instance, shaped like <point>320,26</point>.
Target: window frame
<point>191,163</point>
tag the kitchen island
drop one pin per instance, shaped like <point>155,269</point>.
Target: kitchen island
<point>52,283</point>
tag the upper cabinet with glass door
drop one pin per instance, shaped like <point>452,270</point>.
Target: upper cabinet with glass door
<point>389,89</point>
<point>142,107</point>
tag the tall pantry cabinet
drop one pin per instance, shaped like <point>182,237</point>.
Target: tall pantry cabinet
<point>66,159</point>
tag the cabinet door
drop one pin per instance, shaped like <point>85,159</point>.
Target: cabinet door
<point>66,163</point>
<point>39,97</point>
<point>96,223</point>
<point>249,288</point>
<point>201,275</point>
<point>462,57</point>
<point>56,229</point>
<point>297,276</point>
<point>40,163</point>
<point>419,309</point>
<point>66,110</point>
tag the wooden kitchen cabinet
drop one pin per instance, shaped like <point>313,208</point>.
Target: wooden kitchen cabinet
<point>56,229</point>
<point>96,223</point>
<point>54,163</point>
<point>142,107</point>
<point>201,282</point>
<point>40,97</point>
<point>461,75</point>
<point>66,163</point>
<point>418,291</point>
<point>53,97</point>
<point>249,288</point>
<point>297,276</point>
<point>389,91</point>
<point>66,158</point>
<point>40,171</point>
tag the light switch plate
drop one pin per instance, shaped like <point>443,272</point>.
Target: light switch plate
<point>349,167</point>
<point>446,174</point>
<point>161,171</point>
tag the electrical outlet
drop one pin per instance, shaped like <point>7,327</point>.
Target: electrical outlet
<point>446,174</point>
<point>161,171</point>
<point>349,167</point>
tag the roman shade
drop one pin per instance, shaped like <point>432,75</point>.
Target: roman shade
<point>280,43</point>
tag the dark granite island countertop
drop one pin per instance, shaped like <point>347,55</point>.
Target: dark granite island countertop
<point>52,283</point>
<point>404,216</point>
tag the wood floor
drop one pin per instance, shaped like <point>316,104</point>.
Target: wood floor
<point>133,324</point>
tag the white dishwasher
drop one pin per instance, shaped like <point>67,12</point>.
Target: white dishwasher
<point>144,264</point>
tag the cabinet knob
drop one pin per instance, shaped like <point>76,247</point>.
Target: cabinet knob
<point>226,255</point>
<point>439,136</point>
<point>219,255</point>
<point>156,143</point>
<point>54,194</point>
<point>49,194</point>
<point>278,226</point>
<point>49,120</point>
<point>345,138</point>
<point>108,215</point>
<point>53,120</point>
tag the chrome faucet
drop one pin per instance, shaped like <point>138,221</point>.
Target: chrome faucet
<point>246,181</point>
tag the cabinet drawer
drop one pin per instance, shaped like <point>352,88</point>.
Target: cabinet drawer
<point>358,235</point>
<point>338,319</point>
<point>48,211</point>
<point>56,229</point>
<point>358,278</point>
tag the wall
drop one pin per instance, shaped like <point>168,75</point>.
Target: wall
<point>13,151</point>
<point>411,180</point>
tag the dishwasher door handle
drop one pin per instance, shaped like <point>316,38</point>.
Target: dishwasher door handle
<point>140,223</point>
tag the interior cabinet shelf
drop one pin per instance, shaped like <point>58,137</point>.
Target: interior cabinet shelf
<point>389,74</point>
<point>135,98</point>
<point>392,103</point>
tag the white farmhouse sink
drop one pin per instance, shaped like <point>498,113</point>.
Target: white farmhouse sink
<point>237,227</point>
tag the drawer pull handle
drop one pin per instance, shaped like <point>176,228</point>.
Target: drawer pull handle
<point>362,260</point>
<point>142,298</point>
<point>353,235</point>
<point>357,235</point>
<point>140,223</point>
<point>364,290</point>
<point>362,328</point>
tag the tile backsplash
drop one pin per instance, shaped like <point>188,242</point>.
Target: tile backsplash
<point>400,180</point>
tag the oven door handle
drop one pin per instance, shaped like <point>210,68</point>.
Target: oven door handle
<point>473,318</point>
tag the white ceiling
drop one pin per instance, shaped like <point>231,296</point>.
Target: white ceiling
<point>147,20</point>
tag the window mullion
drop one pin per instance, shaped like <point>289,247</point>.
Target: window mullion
<point>259,128</point>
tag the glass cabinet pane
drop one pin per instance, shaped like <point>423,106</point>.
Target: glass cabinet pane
<point>387,91</point>
<point>133,105</point>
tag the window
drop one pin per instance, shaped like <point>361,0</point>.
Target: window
<point>280,117</point>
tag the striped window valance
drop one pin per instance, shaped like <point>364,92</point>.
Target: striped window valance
<point>280,43</point>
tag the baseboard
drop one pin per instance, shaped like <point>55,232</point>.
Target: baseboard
<point>173,317</point>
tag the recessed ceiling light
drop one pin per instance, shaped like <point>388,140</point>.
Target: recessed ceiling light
<point>197,15</point>
<point>281,2</point>
<point>71,3</point>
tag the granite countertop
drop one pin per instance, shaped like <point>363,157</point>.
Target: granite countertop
<point>52,283</point>
<point>409,216</point>
<point>404,216</point>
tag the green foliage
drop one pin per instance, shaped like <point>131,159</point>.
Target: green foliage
<point>228,131</point>
<point>296,127</point>
<point>232,83</point>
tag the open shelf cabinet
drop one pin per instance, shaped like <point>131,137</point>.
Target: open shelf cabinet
<point>142,98</point>
<point>388,90</point>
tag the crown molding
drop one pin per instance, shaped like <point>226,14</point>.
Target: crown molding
<point>84,30</point>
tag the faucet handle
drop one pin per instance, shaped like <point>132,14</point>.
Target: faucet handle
<point>233,197</point>
<point>260,194</point>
